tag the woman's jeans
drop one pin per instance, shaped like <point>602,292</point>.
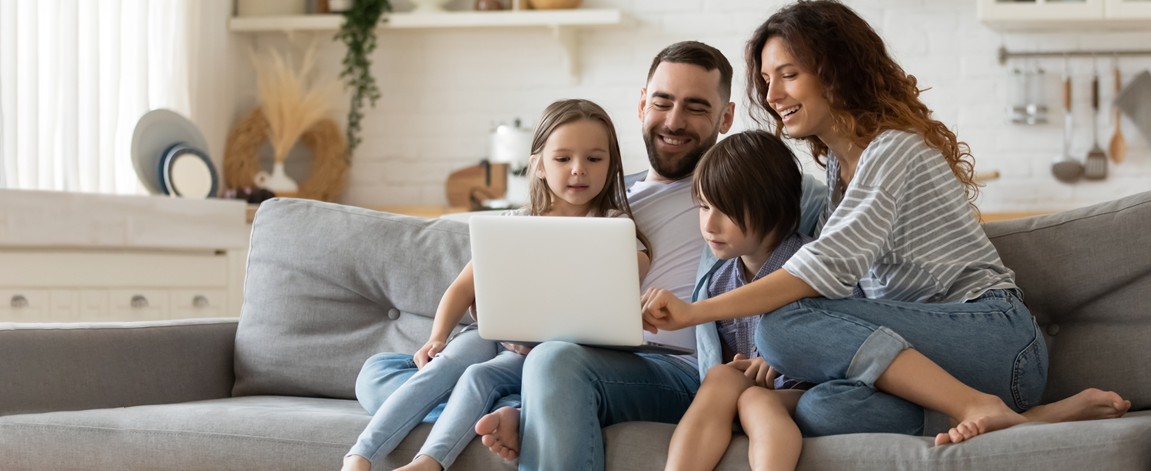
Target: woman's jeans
<point>469,375</point>
<point>991,344</point>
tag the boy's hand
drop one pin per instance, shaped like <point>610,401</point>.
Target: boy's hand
<point>757,370</point>
<point>427,352</point>
<point>664,311</point>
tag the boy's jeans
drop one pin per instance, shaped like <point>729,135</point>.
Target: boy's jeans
<point>469,376</point>
<point>991,344</point>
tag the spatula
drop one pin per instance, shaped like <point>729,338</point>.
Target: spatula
<point>1118,145</point>
<point>1095,165</point>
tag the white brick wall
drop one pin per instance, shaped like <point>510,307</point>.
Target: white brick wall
<point>443,89</point>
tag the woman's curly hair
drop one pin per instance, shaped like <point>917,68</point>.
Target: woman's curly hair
<point>868,91</point>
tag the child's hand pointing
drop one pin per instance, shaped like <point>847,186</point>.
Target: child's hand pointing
<point>664,311</point>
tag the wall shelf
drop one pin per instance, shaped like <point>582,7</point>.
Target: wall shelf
<point>564,24</point>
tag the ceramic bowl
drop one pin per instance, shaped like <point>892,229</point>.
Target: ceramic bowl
<point>555,4</point>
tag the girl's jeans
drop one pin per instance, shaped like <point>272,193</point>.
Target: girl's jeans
<point>469,375</point>
<point>991,344</point>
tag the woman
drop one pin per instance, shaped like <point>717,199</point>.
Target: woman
<point>944,327</point>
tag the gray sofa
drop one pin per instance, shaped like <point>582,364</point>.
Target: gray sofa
<point>329,285</point>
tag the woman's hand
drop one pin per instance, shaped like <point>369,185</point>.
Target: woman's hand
<point>426,353</point>
<point>757,370</point>
<point>663,311</point>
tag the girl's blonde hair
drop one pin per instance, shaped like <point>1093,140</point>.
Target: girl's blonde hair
<point>613,197</point>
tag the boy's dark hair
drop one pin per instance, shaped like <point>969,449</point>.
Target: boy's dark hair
<point>754,179</point>
<point>697,53</point>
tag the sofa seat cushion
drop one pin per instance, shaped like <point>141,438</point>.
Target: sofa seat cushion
<point>289,433</point>
<point>1103,444</point>
<point>246,433</point>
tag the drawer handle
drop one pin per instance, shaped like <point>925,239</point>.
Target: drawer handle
<point>139,301</point>
<point>19,301</point>
<point>200,301</point>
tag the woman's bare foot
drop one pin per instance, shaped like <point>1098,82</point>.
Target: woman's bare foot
<point>990,415</point>
<point>500,432</point>
<point>356,463</point>
<point>422,463</point>
<point>1090,404</point>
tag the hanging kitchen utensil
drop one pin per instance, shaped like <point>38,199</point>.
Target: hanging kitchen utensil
<point>1118,145</point>
<point>1095,165</point>
<point>1065,168</point>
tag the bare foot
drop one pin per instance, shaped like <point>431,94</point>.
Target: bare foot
<point>500,432</point>
<point>989,416</point>
<point>356,463</point>
<point>1090,404</point>
<point>422,463</point>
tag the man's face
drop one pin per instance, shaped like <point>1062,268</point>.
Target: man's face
<point>683,115</point>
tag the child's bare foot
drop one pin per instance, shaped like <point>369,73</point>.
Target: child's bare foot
<point>989,416</point>
<point>500,432</point>
<point>1090,404</point>
<point>356,463</point>
<point>422,463</point>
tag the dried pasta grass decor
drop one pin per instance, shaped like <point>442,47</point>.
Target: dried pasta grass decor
<point>329,148</point>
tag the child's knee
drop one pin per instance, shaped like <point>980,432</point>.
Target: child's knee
<point>760,398</point>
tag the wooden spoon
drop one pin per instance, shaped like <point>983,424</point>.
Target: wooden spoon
<point>1118,146</point>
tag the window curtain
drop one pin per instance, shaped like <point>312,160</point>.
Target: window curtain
<point>75,77</point>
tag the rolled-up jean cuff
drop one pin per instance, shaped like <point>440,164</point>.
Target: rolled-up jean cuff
<point>875,355</point>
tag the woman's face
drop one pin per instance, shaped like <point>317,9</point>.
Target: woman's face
<point>795,94</point>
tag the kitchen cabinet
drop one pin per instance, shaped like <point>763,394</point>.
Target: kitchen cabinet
<point>70,257</point>
<point>1065,15</point>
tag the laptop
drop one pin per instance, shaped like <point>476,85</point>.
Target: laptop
<point>574,279</point>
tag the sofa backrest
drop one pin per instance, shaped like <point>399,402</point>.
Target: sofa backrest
<point>328,286</point>
<point>1086,276</point>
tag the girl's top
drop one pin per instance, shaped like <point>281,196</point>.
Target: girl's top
<point>902,229</point>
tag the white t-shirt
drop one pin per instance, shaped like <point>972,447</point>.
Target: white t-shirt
<point>666,214</point>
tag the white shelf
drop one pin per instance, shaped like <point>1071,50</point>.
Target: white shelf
<point>461,19</point>
<point>1063,16</point>
<point>564,24</point>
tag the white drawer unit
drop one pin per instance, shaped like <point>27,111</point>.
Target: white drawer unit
<point>23,305</point>
<point>192,303</point>
<point>70,257</point>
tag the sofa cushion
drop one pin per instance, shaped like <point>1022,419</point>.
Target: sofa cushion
<point>285,433</point>
<point>248,433</point>
<point>322,282</point>
<point>1102,444</point>
<point>1086,276</point>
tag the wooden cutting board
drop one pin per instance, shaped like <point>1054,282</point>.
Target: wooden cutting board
<point>469,186</point>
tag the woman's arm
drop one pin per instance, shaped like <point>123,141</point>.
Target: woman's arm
<point>663,311</point>
<point>453,306</point>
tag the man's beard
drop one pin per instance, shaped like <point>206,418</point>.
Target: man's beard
<point>686,164</point>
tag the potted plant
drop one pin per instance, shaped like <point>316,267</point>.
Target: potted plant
<point>358,33</point>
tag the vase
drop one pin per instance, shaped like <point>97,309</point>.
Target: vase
<point>555,4</point>
<point>278,182</point>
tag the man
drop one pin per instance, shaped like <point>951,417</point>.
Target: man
<point>570,392</point>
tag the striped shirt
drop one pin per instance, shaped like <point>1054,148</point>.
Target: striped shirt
<point>902,229</point>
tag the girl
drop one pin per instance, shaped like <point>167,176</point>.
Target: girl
<point>748,189</point>
<point>899,223</point>
<point>578,172</point>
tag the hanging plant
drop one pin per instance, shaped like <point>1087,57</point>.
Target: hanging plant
<point>359,34</point>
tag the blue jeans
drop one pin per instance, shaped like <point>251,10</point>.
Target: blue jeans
<point>570,392</point>
<point>467,379</point>
<point>991,344</point>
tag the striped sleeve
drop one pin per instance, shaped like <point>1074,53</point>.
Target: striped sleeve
<point>852,240</point>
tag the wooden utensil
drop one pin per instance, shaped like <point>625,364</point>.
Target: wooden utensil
<point>1095,165</point>
<point>467,187</point>
<point>1118,145</point>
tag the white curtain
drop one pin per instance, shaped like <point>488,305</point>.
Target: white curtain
<point>75,76</point>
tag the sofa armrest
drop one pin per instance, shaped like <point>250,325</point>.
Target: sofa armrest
<point>59,367</point>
